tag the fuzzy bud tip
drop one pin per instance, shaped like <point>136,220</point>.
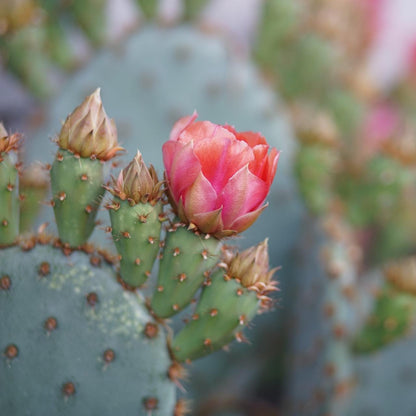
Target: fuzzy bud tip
<point>89,132</point>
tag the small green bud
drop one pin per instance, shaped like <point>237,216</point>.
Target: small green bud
<point>89,132</point>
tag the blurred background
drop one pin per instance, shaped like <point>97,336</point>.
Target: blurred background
<point>332,84</point>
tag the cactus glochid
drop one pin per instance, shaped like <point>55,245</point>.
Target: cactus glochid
<point>79,337</point>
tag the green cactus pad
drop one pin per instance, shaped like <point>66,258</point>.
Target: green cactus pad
<point>224,309</point>
<point>74,343</point>
<point>149,8</point>
<point>187,259</point>
<point>9,203</point>
<point>139,245</point>
<point>314,167</point>
<point>77,192</point>
<point>391,319</point>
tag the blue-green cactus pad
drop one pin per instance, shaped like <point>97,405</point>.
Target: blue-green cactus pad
<point>44,283</point>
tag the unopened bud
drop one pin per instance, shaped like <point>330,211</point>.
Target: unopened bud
<point>137,182</point>
<point>8,143</point>
<point>251,266</point>
<point>89,132</point>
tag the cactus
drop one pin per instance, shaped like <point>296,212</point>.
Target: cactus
<point>386,342</point>
<point>95,330</point>
<point>157,66</point>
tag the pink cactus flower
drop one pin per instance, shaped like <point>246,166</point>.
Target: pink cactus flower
<point>218,178</point>
<point>381,124</point>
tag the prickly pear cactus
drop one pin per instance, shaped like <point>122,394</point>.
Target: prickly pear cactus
<point>386,342</point>
<point>74,341</point>
<point>84,307</point>
<point>166,73</point>
<point>322,373</point>
<point>156,83</point>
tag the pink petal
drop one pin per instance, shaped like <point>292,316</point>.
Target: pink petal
<point>251,138</point>
<point>221,158</point>
<point>209,222</point>
<point>272,165</point>
<point>243,193</point>
<point>201,130</point>
<point>246,220</point>
<point>200,197</point>
<point>181,125</point>
<point>260,162</point>
<point>182,166</point>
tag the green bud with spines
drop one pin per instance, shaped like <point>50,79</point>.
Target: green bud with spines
<point>9,202</point>
<point>87,139</point>
<point>229,301</point>
<point>136,213</point>
<point>187,259</point>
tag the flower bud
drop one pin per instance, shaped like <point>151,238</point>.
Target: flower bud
<point>251,268</point>
<point>138,183</point>
<point>89,132</point>
<point>8,143</point>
